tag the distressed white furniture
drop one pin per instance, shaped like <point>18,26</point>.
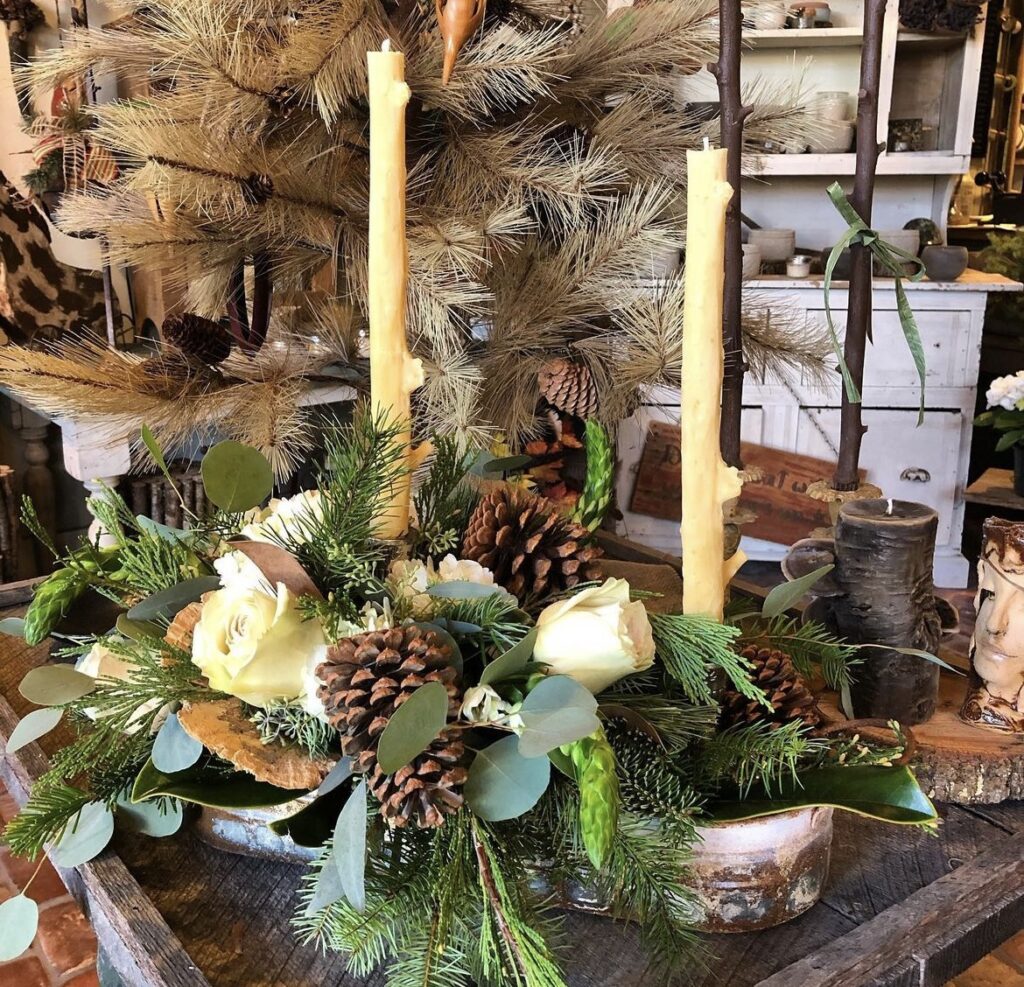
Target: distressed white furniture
<point>927,464</point>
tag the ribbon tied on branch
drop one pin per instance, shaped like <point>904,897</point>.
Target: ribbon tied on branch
<point>891,260</point>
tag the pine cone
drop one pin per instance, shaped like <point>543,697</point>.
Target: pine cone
<point>205,340</point>
<point>569,387</point>
<point>773,672</point>
<point>531,548</point>
<point>365,679</point>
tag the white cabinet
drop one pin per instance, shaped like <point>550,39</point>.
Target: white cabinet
<point>926,463</point>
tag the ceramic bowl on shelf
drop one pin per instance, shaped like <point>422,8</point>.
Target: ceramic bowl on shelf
<point>775,245</point>
<point>944,263</point>
<point>751,260</point>
<point>833,137</point>
<point>907,240</point>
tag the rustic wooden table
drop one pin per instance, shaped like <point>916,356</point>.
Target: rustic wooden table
<point>900,908</point>
<point>994,488</point>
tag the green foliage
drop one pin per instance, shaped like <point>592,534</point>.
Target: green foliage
<point>596,495</point>
<point>692,647</point>
<point>762,753</point>
<point>443,501</point>
<point>46,815</point>
<point>52,600</point>
<point>283,723</point>
<point>594,764</point>
<point>1005,255</point>
<point>677,724</point>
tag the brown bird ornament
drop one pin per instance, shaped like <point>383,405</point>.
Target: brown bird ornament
<point>457,19</point>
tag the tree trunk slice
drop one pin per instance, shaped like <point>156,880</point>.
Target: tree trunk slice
<point>955,761</point>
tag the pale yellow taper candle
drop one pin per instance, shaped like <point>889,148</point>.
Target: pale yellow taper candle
<point>707,482</point>
<point>394,372</point>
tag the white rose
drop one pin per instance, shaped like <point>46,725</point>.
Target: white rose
<point>451,569</point>
<point>256,646</point>
<point>102,663</point>
<point>596,636</point>
<point>238,572</point>
<point>286,519</point>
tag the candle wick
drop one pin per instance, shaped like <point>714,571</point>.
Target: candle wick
<point>707,144</point>
<point>386,45</point>
<point>888,509</point>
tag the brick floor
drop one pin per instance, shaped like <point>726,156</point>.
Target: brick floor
<point>64,952</point>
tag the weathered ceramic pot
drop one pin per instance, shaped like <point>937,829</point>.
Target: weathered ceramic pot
<point>757,873</point>
<point>248,832</point>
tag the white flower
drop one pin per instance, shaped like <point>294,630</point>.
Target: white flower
<point>451,569</point>
<point>256,646</point>
<point>1007,392</point>
<point>482,704</point>
<point>101,662</point>
<point>596,636</point>
<point>238,572</point>
<point>286,519</point>
<point>408,579</point>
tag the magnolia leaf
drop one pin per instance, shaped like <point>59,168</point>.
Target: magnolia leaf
<point>512,662</point>
<point>174,750</point>
<point>55,685</point>
<point>85,837</point>
<point>157,454</point>
<point>507,463</point>
<point>313,824</point>
<point>782,597</point>
<point>164,531</point>
<point>328,888</point>
<point>211,788</point>
<point>169,601</point>
<point>158,818</point>
<point>33,725</point>
<point>137,630</point>
<point>889,794</point>
<point>462,589</point>
<point>279,566</point>
<point>19,920</point>
<point>557,711</point>
<point>502,784</point>
<point>236,477</point>
<point>413,726</point>
<point>349,848</point>
<point>14,626</point>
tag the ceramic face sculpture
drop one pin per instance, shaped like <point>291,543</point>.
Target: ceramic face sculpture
<point>995,696</point>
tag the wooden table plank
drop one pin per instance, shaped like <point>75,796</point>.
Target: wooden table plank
<point>994,488</point>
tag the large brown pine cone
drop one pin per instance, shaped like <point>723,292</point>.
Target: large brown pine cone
<point>785,687</point>
<point>203,339</point>
<point>531,548</point>
<point>365,678</point>
<point>569,387</point>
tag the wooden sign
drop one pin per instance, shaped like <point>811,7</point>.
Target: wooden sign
<point>784,512</point>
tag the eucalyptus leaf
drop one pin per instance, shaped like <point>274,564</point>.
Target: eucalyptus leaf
<point>169,601</point>
<point>137,630</point>
<point>328,888</point>
<point>338,775</point>
<point>32,726</point>
<point>212,788</point>
<point>19,920</point>
<point>462,589</point>
<point>349,847</point>
<point>557,711</point>
<point>512,662</point>
<point>157,818</point>
<point>174,750</point>
<point>14,626</point>
<point>164,531</point>
<point>782,597</point>
<point>502,784</point>
<point>413,726</point>
<point>236,477</point>
<point>85,837</point>
<point>563,763</point>
<point>55,685</point>
<point>151,444</point>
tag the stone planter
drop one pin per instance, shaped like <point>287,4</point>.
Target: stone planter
<point>757,873</point>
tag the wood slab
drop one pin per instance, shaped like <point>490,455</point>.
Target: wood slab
<point>994,488</point>
<point>955,761</point>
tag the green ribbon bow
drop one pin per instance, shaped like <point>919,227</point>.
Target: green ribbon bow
<point>890,259</point>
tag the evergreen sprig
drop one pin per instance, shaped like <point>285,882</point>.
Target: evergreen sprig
<point>496,619</point>
<point>284,723</point>
<point>677,724</point>
<point>44,818</point>
<point>444,500</point>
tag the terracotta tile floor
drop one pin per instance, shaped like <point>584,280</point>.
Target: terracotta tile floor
<point>64,953</point>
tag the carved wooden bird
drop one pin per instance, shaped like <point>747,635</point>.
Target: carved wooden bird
<point>457,19</point>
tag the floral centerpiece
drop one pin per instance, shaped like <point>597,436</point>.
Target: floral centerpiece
<point>1004,401</point>
<point>474,718</point>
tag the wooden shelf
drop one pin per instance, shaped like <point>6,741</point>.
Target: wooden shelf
<point>902,163</point>
<point>824,37</point>
<point>921,39</point>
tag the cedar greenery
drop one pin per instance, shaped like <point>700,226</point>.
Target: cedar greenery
<point>284,723</point>
<point>444,500</point>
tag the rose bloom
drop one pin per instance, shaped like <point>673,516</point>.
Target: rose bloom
<point>596,637</point>
<point>256,646</point>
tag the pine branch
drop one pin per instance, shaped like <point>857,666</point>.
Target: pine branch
<point>279,722</point>
<point>677,724</point>
<point>443,501</point>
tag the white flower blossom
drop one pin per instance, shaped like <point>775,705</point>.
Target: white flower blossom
<point>482,704</point>
<point>1007,392</point>
<point>286,519</point>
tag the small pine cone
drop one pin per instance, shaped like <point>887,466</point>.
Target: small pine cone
<point>773,672</point>
<point>426,789</point>
<point>365,678</point>
<point>203,339</point>
<point>531,548</point>
<point>569,387</point>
